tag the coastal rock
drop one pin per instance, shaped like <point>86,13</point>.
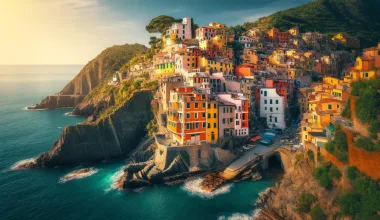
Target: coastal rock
<point>58,101</point>
<point>110,137</point>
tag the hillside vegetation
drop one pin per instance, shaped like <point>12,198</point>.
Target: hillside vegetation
<point>359,18</point>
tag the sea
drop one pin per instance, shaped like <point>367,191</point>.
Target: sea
<point>41,193</point>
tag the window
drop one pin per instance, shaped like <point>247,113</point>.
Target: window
<point>224,120</point>
<point>277,108</point>
<point>275,119</point>
<point>187,105</point>
<point>187,115</point>
<point>188,126</point>
<point>204,124</point>
<point>196,105</point>
<point>237,116</point>
<point>208,105</point>
<point>214,115</point>
<point>265,93</point>
<point>203,105</point>
<point>265,101</point>
<point>261,92</point>
<point>330,106</point>
<point>214,105</point>
<point>196,125</point>
<point>237,122</point>
<point>277,101</point>
<point>214,125</point>
<point>265,108</point>
<point>224,110</point>
<point>366,75</point>
<point>304,128</point>
<point>196,115</point>
<point>208,115</point>
<point>231,119</point>
<point>208,125</point>
<point>230,110</point>
<point>271,109</point>
<point>337,106</point>
<point>203,115</point>
<point>270,101</point>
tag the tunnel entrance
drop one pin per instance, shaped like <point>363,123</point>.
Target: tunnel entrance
<point>275,167</point>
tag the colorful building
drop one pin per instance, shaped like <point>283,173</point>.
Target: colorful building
<point>205,33</point>
<point>187,115</point>
<point>180,30</point>
<point>226,119</point>
<point>212,121</point>
<point>272,108</point>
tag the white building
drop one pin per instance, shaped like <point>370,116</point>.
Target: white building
<point>182,30</point>
<point>272,107</point>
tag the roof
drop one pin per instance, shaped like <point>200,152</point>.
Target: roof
<point>223,102</point>
<point>317,134</point>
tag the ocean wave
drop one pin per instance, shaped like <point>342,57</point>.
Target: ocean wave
<point>78,174</point>
<point>26,109</point>
<point>114,179</point>
<point>237,216</point>
<point>194,188</point>
<point>69,114</point>
<point>20,165</point>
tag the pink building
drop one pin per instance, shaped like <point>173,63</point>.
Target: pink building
<point>182,30</point>
<point>241,112</point>
<point>205,33</point>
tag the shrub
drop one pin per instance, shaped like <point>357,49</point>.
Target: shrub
<point>352,173</point>
<point>317,213</point>
<point>305,200</point>
<point>137,84</point>
<point>310,155</point>
<point>340,141</point>
<point>366,144</point>
<point>367,106</point>
<point>325,173</point>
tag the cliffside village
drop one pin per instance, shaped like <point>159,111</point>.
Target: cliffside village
<point>215,84</point>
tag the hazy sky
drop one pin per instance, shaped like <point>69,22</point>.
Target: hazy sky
<point>75,31</point>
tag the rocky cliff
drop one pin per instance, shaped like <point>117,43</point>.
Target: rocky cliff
<point>113,136</point>
<point>281,200</point>
<point>92,74</point>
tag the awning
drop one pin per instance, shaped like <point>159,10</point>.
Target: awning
<point>255,138</point>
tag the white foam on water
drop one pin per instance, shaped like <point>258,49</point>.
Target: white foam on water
<point>237,216</point>
<point>256,213</point>
<point>19,165</point>
<point>73,175</point>
<point>194,188</point>
<point>59,127</point>
<point>26,108</point>
<point>114,179</point>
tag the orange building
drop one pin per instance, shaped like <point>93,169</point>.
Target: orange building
<point>276,36</point>
<point>244,70</point>
<point>187,115</point>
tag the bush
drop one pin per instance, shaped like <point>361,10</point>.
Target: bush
<point>310,155</point>
<point>325,173</point>
<point>352,173</point>
<point>317,213</point>
<point>340,141</point>
<point>366,144</point>
<point>137,84</point>
<point>305,200</point>
<point>367,106</point>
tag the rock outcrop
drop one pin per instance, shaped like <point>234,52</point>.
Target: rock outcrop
<point>110,137</point>
<point>92,74</point>
<point>281,200</point>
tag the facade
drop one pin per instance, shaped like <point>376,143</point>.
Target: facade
<point>241,112</point>
<point>205,33</point>
<point>212,121</point>
<point>226,119</point>
<point>187,115</point>
<point>180,30</point>
<point>272,107</point>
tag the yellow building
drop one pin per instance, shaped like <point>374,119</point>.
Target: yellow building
<point>214,66</point>
<point>332,81</point>
<point>164,68</point>
<point>212,122</point>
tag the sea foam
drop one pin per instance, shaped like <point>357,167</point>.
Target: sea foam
<point>194,188</point>
<point>114,179</point>
<point>76,174</point>
<point>237,216</point>
<point>20,165</point>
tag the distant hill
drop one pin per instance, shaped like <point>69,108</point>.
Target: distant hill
<point>108,61</point>
<point>358,18</point>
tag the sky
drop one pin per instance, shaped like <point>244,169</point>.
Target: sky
<point>34,32</point>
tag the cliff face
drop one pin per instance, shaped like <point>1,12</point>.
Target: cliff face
<point>110,137</point>
<point>282,198</point>
<point>92,74</point>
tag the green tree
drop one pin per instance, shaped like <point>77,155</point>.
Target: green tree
<point>160,24</point>
<point>366,144</point>
<point>304,202</point>
<point>352,173</point>
<point>317,213</point>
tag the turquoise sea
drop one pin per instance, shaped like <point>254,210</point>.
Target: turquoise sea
<point>39,194</point>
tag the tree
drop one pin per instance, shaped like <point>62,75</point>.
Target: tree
<point>352,173</point>
<point>153,41</point>
<point>317,213</point>
<point>305,200</point>
<point>160,24</point>
<point>367,106</point>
